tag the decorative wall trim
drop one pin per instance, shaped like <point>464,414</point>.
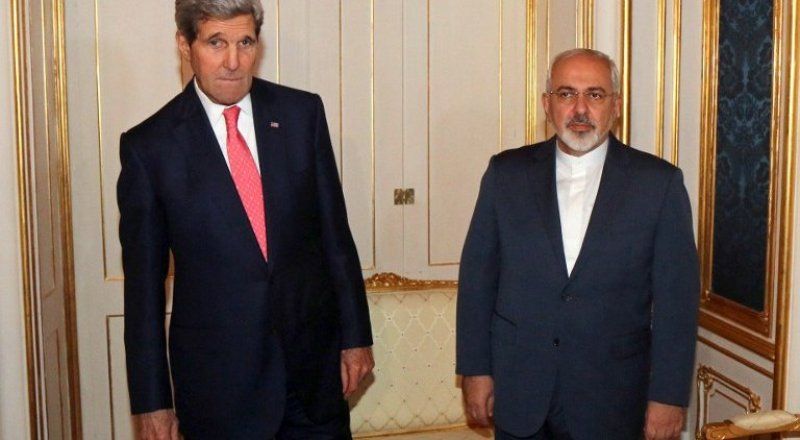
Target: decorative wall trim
<point>531,89</point>
<point>624,127</point>
<point>65,180</point>
<point>747,363</point>
<point>780,188</point>
<point>676,79</point>
<point>709,382</point>
<point>25,216</point>
<point>585,23</point>
<point>661,42</point>
<point>786,210</point>
<point>731,332</point>
<point>392,282</point>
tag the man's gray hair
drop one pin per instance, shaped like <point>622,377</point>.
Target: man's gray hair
<point>189,13</point>
<point>612,67</point>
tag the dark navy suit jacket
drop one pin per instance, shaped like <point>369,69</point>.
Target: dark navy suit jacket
<point>617,332</point>
<point>242,331</point>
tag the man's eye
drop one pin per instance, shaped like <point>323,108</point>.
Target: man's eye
<point>247,42</point>
<point>215,43</point>
<point>566,95</point>
<point>595,96</point>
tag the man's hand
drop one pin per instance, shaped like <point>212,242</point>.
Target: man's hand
<point>663,422</point>
<point>356,364</point>
<point>158,425</point>
<point>479,398</point>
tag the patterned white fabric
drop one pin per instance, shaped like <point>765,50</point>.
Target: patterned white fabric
<point>414,385</point>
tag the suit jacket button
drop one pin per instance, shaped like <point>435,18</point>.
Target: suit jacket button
<point>567,297</point>
<point>556,341</point>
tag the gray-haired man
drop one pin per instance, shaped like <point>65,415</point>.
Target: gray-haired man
<point>236,176</point>
<point>578,288</point>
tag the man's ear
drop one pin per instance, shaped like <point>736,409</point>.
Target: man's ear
<point>183,45</point>
<point>546,104</point>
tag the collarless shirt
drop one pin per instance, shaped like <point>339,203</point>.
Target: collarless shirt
<point>577,183</point>
<point>245,123</point>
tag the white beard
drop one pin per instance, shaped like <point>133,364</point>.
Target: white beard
<point>580,142</point>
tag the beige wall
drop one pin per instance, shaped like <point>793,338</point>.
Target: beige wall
<point>13,402</point>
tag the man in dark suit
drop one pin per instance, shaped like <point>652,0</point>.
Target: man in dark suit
<point>579,284</point>
<point>236,176</point>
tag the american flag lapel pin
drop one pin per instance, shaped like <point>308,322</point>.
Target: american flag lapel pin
<point>273,124</point>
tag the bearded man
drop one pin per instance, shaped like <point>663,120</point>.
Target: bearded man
<point>579,285</point>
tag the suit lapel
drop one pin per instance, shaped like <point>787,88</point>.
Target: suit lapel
<point>542,179</point>
<point>271,146</point>
<point>612,186</point>
<point>209,171</point>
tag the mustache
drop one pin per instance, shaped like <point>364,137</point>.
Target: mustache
<point>581,119</point>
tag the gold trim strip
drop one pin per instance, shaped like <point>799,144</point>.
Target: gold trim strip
<point>65,179</point>
<point>757,345</point>
<point>531,90</point>
<point>277,41</point>
<point>660,49</point>
<point>109,371</point>
<point>392,282</point>
<point>734,356</point>
<point>438,428</point>
<point>25,214</point>
<point>584,18</point>
<point>676,79</point>
<point>624,132</point>
<point>786,216</point>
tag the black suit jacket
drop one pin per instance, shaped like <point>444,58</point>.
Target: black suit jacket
<point>620,330</point>
<point>242,331</point>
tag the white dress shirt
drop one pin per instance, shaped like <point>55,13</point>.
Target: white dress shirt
<point>577,182</point>
<point>217,120</point>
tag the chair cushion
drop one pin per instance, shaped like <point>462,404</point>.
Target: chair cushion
<point>764,420</point>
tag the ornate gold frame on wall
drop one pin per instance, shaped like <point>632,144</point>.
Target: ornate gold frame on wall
<point>740,324</point>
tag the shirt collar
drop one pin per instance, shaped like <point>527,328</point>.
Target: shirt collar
<point>591,159</point>
<point>214,110</point>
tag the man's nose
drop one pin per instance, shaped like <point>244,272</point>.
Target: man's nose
<point>581,104</point>
<point>231,61</point>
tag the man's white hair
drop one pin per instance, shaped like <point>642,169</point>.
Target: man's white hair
<point>612,67</point>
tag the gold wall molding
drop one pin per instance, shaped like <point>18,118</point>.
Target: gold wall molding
<point>531,89</point>
<point>661,42</point>
<point>585,23</point>
<point>736,334</point>
<point>746,362</point>
<point>714,306</point>
<point>711,382</point>
<point>786,210</point>
<point>65,181</point>
<point>677,9</point>
<point>392,282</point>
<point>26,217</point>
<point>624,126</point>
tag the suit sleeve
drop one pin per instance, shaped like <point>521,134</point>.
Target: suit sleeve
<point>478,283</point>
<point>337,242</point>
<point>676,295</point>
<point>143,235</point>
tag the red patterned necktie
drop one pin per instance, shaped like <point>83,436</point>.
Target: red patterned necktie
<point>246,178</point>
